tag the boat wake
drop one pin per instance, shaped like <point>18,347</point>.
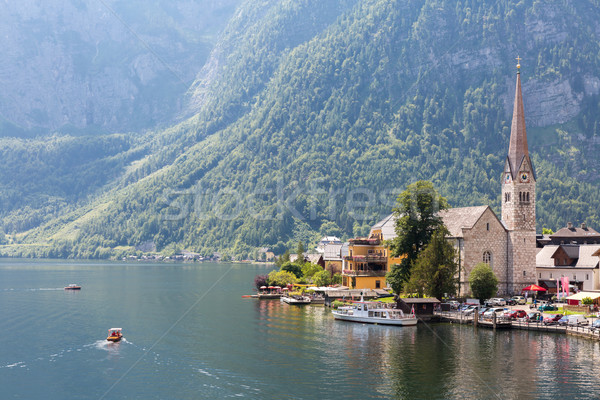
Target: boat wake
<point>30,289</point>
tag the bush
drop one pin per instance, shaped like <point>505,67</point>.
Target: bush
<point>587,301</point>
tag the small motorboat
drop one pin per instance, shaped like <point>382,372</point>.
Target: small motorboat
<point>73,286</point>
<point>114,334</point>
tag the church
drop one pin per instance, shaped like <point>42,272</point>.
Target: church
<point>507,244</point>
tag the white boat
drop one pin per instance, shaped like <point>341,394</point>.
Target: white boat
<point>295,300</point>
<point>372,312</point>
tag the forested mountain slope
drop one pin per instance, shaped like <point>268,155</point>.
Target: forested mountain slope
<point>309,118</point>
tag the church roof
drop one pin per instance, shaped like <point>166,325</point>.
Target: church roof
<point>518,149</point>
<point>456,219</point>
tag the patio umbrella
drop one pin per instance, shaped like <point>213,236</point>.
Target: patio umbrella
<point>533,288</point>
<point>263,287</point>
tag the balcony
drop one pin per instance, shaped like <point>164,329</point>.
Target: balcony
<point>369,272</point>
<point>365,241</point>
<point>375,258</point>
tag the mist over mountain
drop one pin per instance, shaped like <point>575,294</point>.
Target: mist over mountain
<point>309,117</point>
<point>72,66</point>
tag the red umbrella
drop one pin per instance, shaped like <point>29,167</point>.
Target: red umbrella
<point>533,288</point>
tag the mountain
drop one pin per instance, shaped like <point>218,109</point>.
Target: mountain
<point>309,118</point>
<point>112,66</point>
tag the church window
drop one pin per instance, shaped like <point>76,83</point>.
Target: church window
<point>487,226</point>
<point>550,275</point>
<point>487,258</point>
<point>528,197</point>
<point>587,277</point>
<point>520,197</point>
<point>524,273</point>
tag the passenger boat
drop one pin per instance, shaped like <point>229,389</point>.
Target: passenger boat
<point>296,300</point>
<point>372,312</point>
<point>114,334</point>
<point>73,286</point>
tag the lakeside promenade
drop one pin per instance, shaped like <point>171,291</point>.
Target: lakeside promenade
<point>502,323</point>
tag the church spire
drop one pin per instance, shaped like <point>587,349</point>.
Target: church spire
<point>518,149</point>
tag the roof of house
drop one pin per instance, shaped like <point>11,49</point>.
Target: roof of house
<point>587,256</point>
<point>387,226</point>
<point>574,232</point>
<point>313,258</point>
<point>330,239</point>
<point>419,300</point>
<point>456,219</point>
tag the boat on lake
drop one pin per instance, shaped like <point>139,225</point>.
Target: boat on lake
<point>73,286</point>
<point>296,300</point>
<point>115,334</point>
<point>372,312</point>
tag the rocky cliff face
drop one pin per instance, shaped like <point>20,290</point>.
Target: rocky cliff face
<point>108,66</point>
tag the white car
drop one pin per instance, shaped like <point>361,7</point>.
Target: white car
<point>490,313</point>
<point>578,319</point>
<point>519,300</point>
<point>498,301</point>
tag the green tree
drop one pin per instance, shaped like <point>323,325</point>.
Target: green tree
<point>395,279</point>
<point>284,258</point>
<point>310,269</point>
<point>300,250</point>
<point>281,278</point>
<point>292,268</point>
<point>322,278</point>
<point>547,231</point>
<point>336,279</point>
<point>417,218</point>
<point>434,271</point>
<point>484,283</point>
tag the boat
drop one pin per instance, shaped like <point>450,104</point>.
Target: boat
<point>372,312</point>
<point>115,334</point>
<point>295,300</point>
<point>73,286</point>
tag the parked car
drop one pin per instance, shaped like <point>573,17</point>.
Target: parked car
<point>470,310</point>
<point>563,320</point>
<point>495,310</point>
<point>547,307</point>
<point>595,325</point>
<point>454,305</point>
<point>553,319</point>
<point>483,310</point>
<point>514,314</point>
<point>510,302</point>
<point>577,320</point>
<point>519,300</point>
<point>533,316</point>
<point>497,301</point>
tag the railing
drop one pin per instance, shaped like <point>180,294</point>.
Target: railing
<point>367,241</point>
<point>367,258</point>
<point>351,272</point>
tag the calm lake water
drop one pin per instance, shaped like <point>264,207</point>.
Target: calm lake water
<point>190,335</point>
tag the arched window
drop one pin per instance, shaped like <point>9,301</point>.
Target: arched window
<point>487,258</point>
<point>528,197</point>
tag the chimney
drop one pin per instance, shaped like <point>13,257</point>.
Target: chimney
<point>570,225</point>
<point>583,226</point>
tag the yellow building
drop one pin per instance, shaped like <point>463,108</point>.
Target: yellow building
<point>368,259</point>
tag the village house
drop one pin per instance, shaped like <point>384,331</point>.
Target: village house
<point>572,252</point>
<point>369,259</point>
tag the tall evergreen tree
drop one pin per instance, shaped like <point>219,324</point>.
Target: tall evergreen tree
<point>434,271</point>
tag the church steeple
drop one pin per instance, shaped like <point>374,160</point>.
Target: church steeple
<point>518,149</point>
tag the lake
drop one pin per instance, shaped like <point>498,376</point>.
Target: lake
<point>190,335</point>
